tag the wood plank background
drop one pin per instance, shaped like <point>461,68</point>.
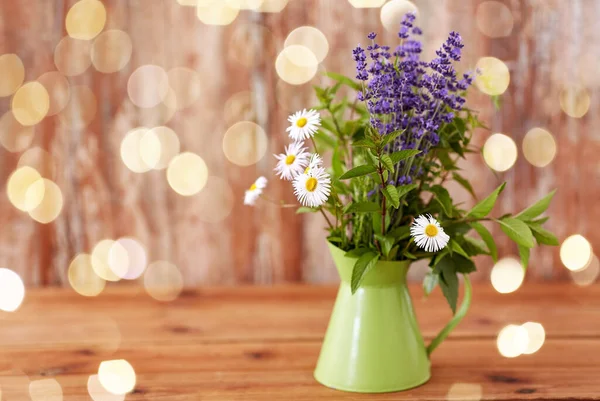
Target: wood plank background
<point>553,44</point>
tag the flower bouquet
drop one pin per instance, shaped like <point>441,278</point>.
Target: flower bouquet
<point>393,146</point>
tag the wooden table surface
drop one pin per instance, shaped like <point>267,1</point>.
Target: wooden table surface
<point>257,344</point>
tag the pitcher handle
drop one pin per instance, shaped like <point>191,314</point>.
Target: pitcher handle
<point>458,316</point>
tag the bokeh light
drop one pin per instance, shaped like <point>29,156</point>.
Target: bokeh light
<point>494,19</point>
<point>40,160</point>
<point>507,275</point>
<point>272,6</point>
<point>14,136</point>
<point>85,19</point>
<point>163,281</point>
<point>245,4</point>
<point>72,56</point>
<point>131,150</point>
<point>216,200</point>
<point>187,174</point>
<point>240,106</point>
<point>465,392</point>
<point>99,393</point>
<point>296,64</point>
<point>12,290</point>
<point>218,13</point>
<point>512,341</point>
<point>392,13</point>
<point>12,72</point>
<point>186,86</point>
<point>148,86</point>
<point>539,147</point>
<point>111,51</point>
<point>135,258</point>
<point>588,275</point>
<point>117,376</point>
<point>58,90</point>
<point>17,187</point>
<point>158,146</point>
<point>311,38</point>
<point>576,252</point>
<point>30,103</point>
<point>51,201</point>
<point>575,101</point>
<point>536,336</point>
<point>160,114</point>
<point>494,76</point>
<point>45,390</point>
<point>245,143</point>
<point>500,152</point>
<point>367,3</point>
<point>81,108</point>
<point>101,263</point>
<point>82,277</point>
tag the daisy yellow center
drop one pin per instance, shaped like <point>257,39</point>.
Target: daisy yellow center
<point>431,230</point>
<point>290,159</point>
<point>311,184</point>
<point>301,122</point>
<point>306,170</point>
<point>252,187</point>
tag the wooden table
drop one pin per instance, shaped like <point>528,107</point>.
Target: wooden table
<point>262,344</point>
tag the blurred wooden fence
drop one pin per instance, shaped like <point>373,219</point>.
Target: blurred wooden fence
<point>553,43</point>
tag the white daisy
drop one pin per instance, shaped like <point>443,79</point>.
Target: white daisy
<point>253,193</point>
<point>312,189</point>
<point>304,124</point>
<point>315,161</point>
<point>292,162</point>
<point>428,233</point>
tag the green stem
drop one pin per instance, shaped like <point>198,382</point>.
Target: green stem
<point>312,139</point>
<point>326,218</point>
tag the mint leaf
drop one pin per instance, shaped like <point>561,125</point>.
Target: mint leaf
<point>344,80</point>
<point>429,282</point>
<point>449,285</point>
<point>543,236</point>
<point>362,207</point>
<point>524,253</point>
<point>517,230</point>
<point>485,206</point>
<point>486,236</point>
<point>400,233</point>
<point>387,163</point>
<point>455,246</point>
<point>404,189</point>
<point>442,197</point>
<point>391,194</point>
<point>464,183</point>
<point>361,268</point>
<point>358,172</point>
<point>537,208</point>
<point>304,209</point>
<point>356,252</point>
<point>403,155</point>
<point>474,246</point>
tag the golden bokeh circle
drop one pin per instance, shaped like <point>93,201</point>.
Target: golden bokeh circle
<point>245,143</point>
<point>133,260</point>
<point>575,101</point>
<point>12,72</point>
<point>72,56</point>
<point>18,184</point>
<point>576,252</point>
<point>311,38</point>
<point>45,390</point>
<point>367,3</point>
<point>111,51</point>
<point>187,174</point>
<point>101,264</point>
<point>148,86</point>
<point>35,194</point>
<point>216,200</point>
<point>117,376</point>
<point>12,290</point>
<point>52,202</point>
<point>85,19</point>
<point>500,152</point>
<point>587,275</point>
<point>494,19</point>
<point>512,341</point>
<point>240,106</point>
<point>158,146</point>
<point>58,90</point>
<point>163,281</point>
<point>81,108</point>
<point>392,13</point>
<point>219,13</point>
<point>493,78</point>
<point>507,275</point>
<point>536,336</point>
<point>98,393</point>
<point>30,103</point>
<point>272,6</point>
<point>40,160</point>
<point>253,5</point>
<point>296,64</point>
<point>131,150</point>
<point>539,147</point>
<point>14,136</point>
<point>160,114</point>
<point>186,85</point>
<point>82,277</point>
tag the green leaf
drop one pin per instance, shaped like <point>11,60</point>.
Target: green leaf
<point>365,263</point>
<point>335,240</point>
<point>386,243</point>
<point>356,252</point>
<point>473,246</point>
<point>455,246</point>
<point>540,221</point>
<point>404,189</point>
<point>485,206</point>
<point>524,253</point>
<point>304,209</point>
<point>358,172</point>
<point>464,183</point>
<point>336,162</point>
<point>344,80</point>
<point>328,124</point>
<point>409,255</point>
<point>390,137</point>
<point>442,197</point>
<point>543,236</point>
<point>391,194</point>
<point>537,208</point>
<point>456,262</point>
<point>429,282</point>
<point>403,155</point>
<point>362,207</point>
<point>364,143</point>
<point>449,285</point>
<point>517,230</point>
<point>400,233</point>
<point>486,236</point>
<point>387,163</point>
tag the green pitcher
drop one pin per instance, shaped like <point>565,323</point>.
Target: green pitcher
<point>373,343</point>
